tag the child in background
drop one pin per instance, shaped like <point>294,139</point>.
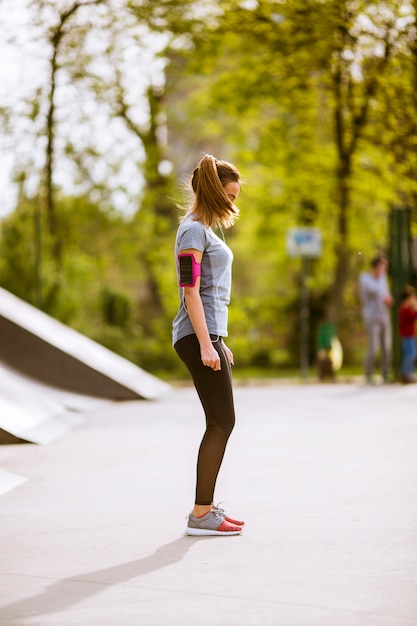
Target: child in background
<point>407,317</point>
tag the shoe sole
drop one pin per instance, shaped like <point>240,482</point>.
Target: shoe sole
<point>201,532</point>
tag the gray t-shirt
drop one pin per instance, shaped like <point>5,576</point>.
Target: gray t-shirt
<point>215,279</point>
<point>372,293</point>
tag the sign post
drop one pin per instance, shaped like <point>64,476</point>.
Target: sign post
<point>305,243</point>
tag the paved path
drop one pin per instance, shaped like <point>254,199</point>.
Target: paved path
<point>325,476</point>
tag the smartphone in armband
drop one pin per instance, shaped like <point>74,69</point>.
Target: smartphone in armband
<point>189,270</point>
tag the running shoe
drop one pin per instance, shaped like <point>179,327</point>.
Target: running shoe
<point>226,517</point>
<point>212,523</point>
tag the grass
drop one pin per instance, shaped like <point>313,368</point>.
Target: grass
<point>258,375</point>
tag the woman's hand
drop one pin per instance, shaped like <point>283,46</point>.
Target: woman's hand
<point>210,358</point>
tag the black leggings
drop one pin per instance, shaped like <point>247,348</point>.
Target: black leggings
<point>216,395</point>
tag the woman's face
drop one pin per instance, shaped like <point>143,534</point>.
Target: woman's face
<point>232,189</point>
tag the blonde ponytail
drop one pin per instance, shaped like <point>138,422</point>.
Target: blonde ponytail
<point>212,206</point>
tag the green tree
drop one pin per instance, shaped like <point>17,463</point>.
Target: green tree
<point>56,39</point>
<point>314,101</point>
<point>315,71</point>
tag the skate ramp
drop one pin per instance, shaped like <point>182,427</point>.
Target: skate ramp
<point>32,412</point>
<point>37,413</point>
<point>43,348</point>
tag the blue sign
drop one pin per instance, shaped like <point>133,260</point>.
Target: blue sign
<point>304,242</point>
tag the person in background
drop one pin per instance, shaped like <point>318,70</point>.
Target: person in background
<point>376,302</point>
<point>407,317</point>
<point>204,264</point>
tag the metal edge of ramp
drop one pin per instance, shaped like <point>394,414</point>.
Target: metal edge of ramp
<point>78,347</point>
<point>35,413</point>
<point>26,425</point>
<point>38,413</point>
<point>43,433</point>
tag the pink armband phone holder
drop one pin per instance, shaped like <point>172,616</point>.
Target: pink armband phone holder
<point>189,270</point>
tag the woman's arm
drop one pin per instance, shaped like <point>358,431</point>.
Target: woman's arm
<point>209,355</point>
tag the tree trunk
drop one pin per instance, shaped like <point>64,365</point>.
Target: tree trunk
<point>342,254</point>
<point>350,121</point>
<point>49,157</point>
<point>56,38</point>
<point>157,215</point>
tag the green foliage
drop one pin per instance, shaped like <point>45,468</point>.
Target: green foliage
<point>116,308</point>
<point>17,252</point>
<point>316,104</point>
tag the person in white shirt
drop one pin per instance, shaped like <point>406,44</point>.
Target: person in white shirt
<point>376,302</point>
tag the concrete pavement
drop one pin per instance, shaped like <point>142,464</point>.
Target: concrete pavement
<point>324,475</point>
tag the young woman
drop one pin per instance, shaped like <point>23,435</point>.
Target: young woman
<point>204,264</point>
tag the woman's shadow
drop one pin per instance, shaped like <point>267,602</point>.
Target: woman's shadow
<point>66,592</point>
